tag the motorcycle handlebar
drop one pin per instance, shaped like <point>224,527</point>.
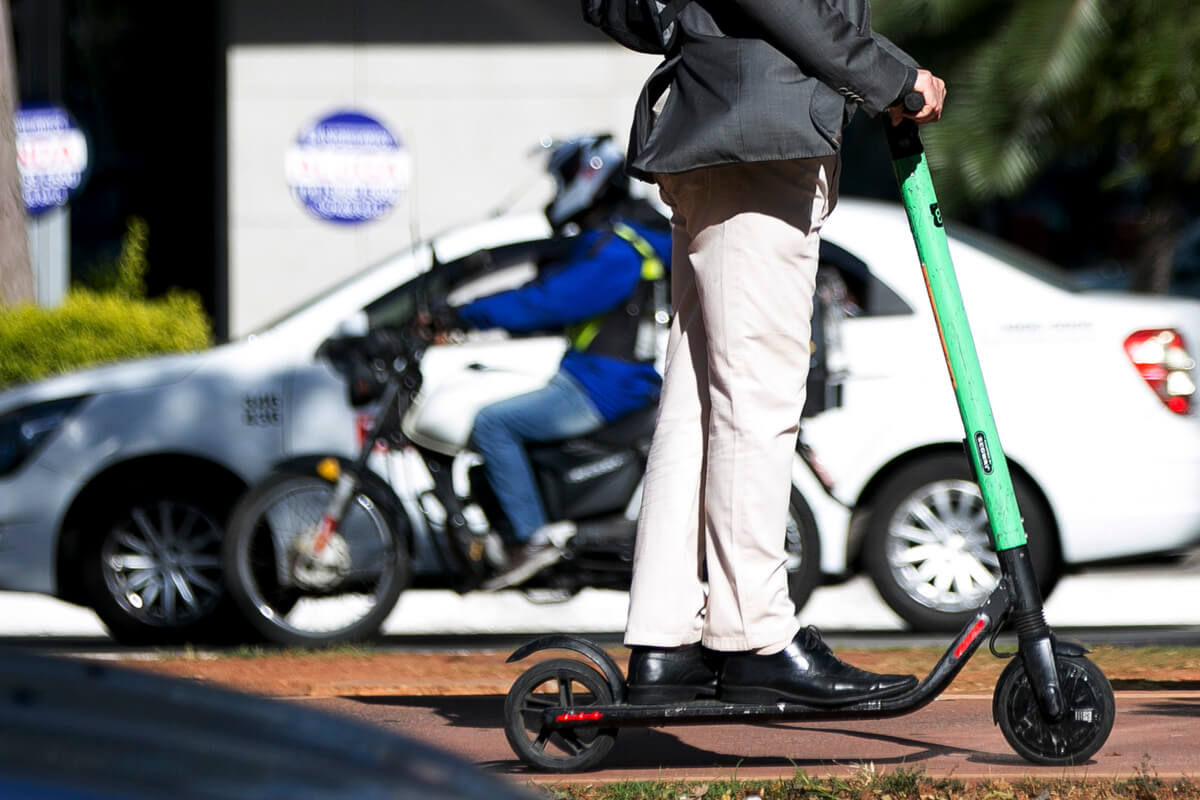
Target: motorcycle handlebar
<point>385,345</point>
<point>372,362</point>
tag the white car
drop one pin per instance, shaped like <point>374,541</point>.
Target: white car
<point>1093,395</point>
<point>115,482</point>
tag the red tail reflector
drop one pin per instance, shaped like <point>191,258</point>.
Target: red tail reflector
<point>971,636</point>
<point>1163,361</point>
<point>579,716</point>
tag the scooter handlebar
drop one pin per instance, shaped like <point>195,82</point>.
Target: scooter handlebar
<point>903,138</point>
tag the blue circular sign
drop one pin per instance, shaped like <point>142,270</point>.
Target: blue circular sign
<point>52,156</point>
<point>347,168</point>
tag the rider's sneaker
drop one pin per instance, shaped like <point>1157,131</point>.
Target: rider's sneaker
<point>544,548</point>
<point>494,551</point>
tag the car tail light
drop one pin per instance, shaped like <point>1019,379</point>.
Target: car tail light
<point>1162,359</point>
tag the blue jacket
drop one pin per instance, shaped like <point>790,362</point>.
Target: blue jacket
<point>599,275</point>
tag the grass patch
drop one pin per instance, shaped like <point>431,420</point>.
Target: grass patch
<point>868,784</point>
<point>189,652</point>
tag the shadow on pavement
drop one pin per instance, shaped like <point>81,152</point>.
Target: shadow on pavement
<point>463,711</point>
<point>1169,708</point>
<point>650,748</point>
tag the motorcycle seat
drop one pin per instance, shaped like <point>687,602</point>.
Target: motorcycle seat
<point>635,428</point>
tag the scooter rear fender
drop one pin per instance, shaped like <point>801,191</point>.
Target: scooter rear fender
<point>592,651</point>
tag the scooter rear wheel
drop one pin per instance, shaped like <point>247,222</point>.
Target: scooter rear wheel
<point>557,682</point>
<point>1090,709</point>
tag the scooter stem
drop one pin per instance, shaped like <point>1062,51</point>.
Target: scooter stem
<point>982,441</point>
<point>958,346</point>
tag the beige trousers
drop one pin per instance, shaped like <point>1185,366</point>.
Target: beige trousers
<point>745,240</point>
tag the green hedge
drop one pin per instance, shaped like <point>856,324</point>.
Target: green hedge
<point>91,328</point>
<point>111,321</point>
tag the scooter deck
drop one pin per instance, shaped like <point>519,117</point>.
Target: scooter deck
<point>986,621</point>
<point>715,712</point>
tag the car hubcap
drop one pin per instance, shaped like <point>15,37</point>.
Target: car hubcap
<point>162,564</point>
<point>939,547</point>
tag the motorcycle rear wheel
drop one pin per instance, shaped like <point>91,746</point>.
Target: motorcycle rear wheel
<point>803,546</point>
<point>259,552</point>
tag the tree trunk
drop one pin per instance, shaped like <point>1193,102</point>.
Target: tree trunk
<point>16,273</point>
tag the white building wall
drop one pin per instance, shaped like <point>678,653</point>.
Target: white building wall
<point>469,116</point>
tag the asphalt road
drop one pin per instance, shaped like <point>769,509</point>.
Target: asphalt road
<point>1160,598</point>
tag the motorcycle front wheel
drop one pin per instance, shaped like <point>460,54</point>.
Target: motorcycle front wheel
<point>292,599</point>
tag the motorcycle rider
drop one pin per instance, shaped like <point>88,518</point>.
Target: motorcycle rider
<point>602,294</point>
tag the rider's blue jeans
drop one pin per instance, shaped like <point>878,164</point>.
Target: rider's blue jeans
<point>560,410</point>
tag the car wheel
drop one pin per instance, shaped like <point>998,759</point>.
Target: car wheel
<point>153,572</point>
<point>928,543</point>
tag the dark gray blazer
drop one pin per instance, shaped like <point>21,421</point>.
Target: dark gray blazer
<point>763,80</point>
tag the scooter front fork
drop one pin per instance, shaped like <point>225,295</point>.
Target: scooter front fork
<point>1034,639</point>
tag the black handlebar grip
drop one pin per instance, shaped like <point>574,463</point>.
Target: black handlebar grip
<point>904,140</point>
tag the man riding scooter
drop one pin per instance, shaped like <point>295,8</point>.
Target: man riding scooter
<point>603,296</point>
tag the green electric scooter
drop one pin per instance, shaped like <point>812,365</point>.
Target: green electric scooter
<point>1054,706</point>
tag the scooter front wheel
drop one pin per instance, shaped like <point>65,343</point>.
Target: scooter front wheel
<point>294,597</point>
<point>559,682</point>
<point>1090,710</point>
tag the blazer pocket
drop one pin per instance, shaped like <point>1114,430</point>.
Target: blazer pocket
<point>828,112</point>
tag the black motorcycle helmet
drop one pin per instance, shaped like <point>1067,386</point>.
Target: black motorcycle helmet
<point>588,171</point>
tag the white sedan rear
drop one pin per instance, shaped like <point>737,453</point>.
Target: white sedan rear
<point>1093,396</point>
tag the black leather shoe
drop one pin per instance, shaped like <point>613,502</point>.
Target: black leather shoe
<point>670,675</point>
<point>806,671</point>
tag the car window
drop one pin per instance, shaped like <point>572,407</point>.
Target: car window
<point>1022,260</point>
<point>847,279</point>
<point>476,275</point>
<point>848,282</point>
<point>395,309</point>
<point>324,294</point>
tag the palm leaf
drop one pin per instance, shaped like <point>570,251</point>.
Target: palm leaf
<point>1000,125</point>
<point>901,19</point>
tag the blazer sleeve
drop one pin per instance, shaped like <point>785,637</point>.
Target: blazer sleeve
<point>826,44</point>
<point>890,46</point>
